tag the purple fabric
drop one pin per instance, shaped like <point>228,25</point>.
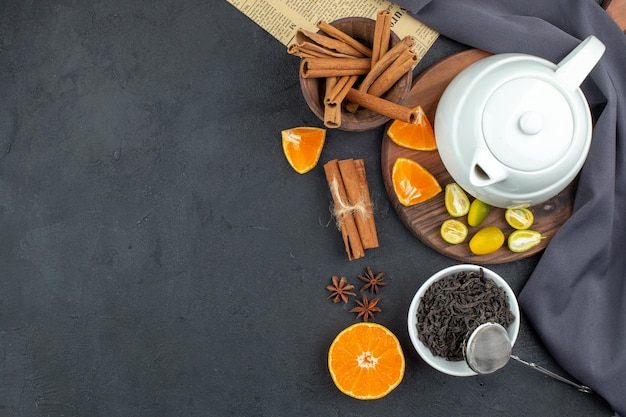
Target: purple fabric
<point>576,297</point>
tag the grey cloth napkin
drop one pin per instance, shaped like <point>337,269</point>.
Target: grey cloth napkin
<point>576,296</point>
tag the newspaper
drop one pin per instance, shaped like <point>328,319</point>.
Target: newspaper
<point>281,18</point>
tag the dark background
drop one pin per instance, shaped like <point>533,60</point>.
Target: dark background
<point>158,255</point>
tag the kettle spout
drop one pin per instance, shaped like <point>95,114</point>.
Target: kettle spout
<point>480,178</point>
<point>486,170</point>
<point>576,66</point>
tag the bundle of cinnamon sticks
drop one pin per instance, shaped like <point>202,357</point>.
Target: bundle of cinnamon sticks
<point>352,206</point>
<point>356,75</point>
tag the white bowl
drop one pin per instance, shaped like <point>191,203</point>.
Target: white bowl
<point>458,368</point>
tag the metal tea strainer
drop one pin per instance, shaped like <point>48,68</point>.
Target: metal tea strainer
<point>488,349</point>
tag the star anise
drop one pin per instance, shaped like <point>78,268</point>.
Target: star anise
<point>373,281</point>
<point>340,290</point>
<point>366,308</point>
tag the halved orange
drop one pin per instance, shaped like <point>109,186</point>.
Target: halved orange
<point>412,182</point>
<point>303,147</point>
<point>419,135</point>
<point>366,361</point>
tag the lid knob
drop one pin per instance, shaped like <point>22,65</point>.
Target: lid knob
<point>531,123</point>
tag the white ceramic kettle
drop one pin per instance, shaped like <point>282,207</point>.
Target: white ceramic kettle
<point>513,129</point>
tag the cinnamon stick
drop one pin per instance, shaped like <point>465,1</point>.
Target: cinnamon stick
<point>381,66</point>
<point>312,39</point>
<point>332,31</point>
<point>332,115</point>
<point>382,106</point>
<point>386,61</point>
<point>355,182</point>
<point>365,194</point>
<point>398,69</point>
<point>333,67</point>
<point>340,89</point>
<point>329,83</point>
<point>334,98</point>
<point>306,50</point>
<point>382,35</point>
<point>345,220</point>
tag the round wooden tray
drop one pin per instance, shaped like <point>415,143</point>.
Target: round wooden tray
<point>425,219</point>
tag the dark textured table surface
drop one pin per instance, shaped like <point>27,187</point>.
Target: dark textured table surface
<point>158,255</point>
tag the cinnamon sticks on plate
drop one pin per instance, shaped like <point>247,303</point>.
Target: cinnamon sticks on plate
<point>347,64</point>
<point>352,206</point>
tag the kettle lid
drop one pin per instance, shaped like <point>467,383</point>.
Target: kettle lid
<point>528,124</point>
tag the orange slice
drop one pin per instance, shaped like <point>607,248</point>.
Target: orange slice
<point>366,361</point>
<point>419,135</point>
<point>303,147</point>
<point>412,182</point>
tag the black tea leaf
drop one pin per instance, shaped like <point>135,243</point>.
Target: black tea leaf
<point>452,307</point>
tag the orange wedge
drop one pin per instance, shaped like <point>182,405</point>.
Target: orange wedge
<point>412,182</point>
<point>303,146</point>
<point>418,136</point>
<point>366,361</point>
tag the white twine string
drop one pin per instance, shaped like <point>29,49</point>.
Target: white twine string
<point>343,208</point>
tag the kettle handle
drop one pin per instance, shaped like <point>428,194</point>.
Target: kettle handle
<point>576,66</point>
<point>486,169</point>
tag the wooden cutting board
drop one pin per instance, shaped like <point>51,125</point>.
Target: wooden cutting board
<point>425,219</point>
<point>617,10</point>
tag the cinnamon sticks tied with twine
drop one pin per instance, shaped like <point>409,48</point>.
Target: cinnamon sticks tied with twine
<point>347,64</point>
<point>352,206</point>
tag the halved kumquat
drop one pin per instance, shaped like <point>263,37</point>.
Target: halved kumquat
<point>519,218</point>
<point>456,201</point>
<point>453,231</point>
<point>522,240</point>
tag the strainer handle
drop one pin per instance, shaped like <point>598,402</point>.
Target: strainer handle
<point>581,388</point>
